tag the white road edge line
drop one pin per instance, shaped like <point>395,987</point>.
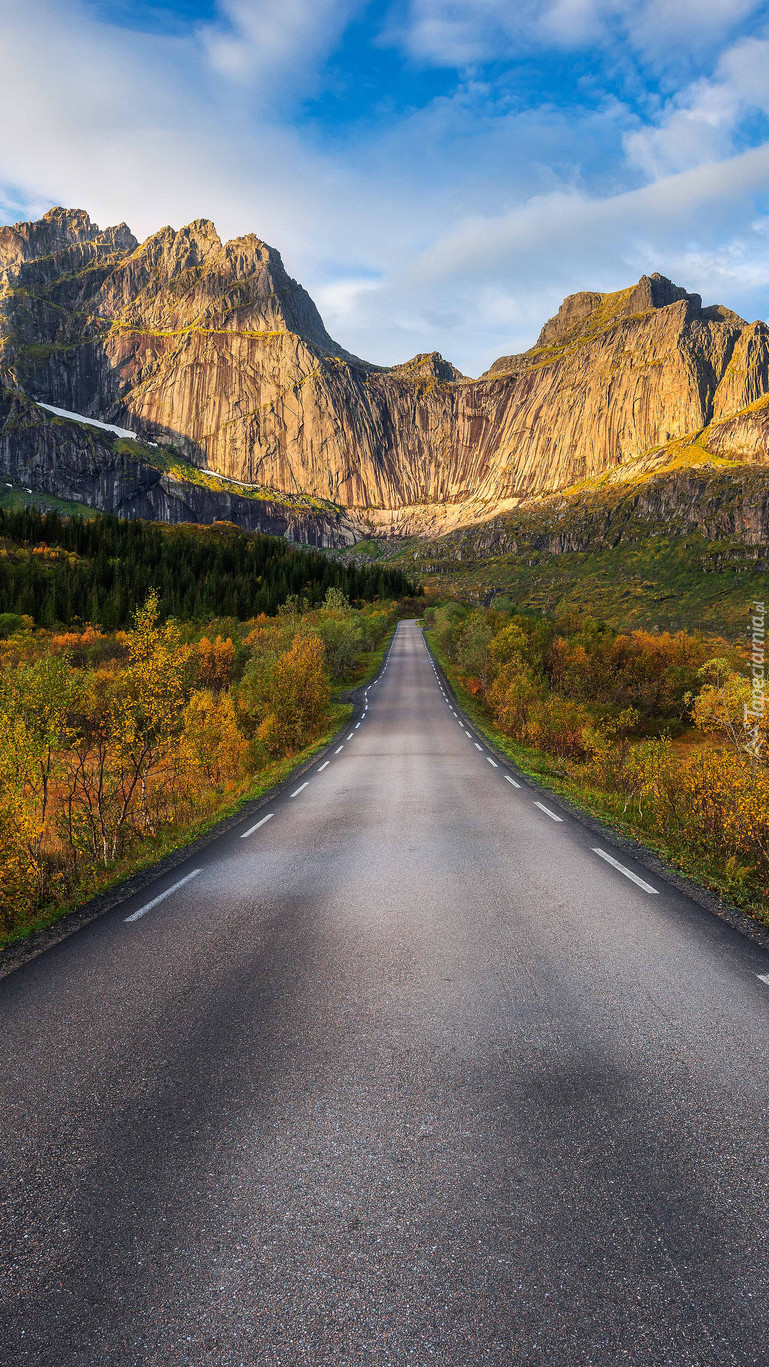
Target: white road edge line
<point>492,761</point>
<point>251,829</point>
<point>339,751</point>
<point>512,780</point>
<point>162,897</point>
<point>477,746</point>
<point>301,788</point>
<point>323,766</point>
<point>763,978</point>
<point>553,815</point>
<point>352,733</point>
<point>647,887</point>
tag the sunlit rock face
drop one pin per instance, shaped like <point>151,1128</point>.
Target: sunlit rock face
<point>213,349</point>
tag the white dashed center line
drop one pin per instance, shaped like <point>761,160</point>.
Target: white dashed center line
<point>301,788</point>
<point>763,978</point>
<point>647,887</point>
<point>339,751</point>
<point>156,900</point>
<point>553,815</point>
<point>251,829</point>
<point>352,733</point>
<point>477,746</point>
<point>323,766</point>
<point>512,780</point>
<point>492,761</point>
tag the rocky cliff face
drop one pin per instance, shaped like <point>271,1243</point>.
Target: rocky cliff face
<point>45,456</point>
<point>710,501</point>
<point>213,349</point>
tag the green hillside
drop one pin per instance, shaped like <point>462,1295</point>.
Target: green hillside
<point>58,570</point>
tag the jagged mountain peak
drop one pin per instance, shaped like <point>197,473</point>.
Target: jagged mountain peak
<point>59,231</point>
<point>69,222</point>
<point>584,316</point>
<point>202,227</point>
<point>589,310</point>
<point>188,277</point>
<point>579,311</point>
<point>177,278</point>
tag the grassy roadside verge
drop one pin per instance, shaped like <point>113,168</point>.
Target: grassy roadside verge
<point>175,840</point>
<point>556,777</point>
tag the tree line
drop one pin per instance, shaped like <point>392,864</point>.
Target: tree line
<point>60,570</point>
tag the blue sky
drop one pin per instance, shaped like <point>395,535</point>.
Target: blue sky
<point>438,173</point>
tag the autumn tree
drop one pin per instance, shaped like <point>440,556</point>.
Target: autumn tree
<point>213,662</point>
<point>298,695</point>
<point>127,724</point>
<point>723,707</point>
<point>213,743</point>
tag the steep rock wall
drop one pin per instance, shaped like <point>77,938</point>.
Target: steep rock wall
<point>213,348</point>
<point>79,464</point>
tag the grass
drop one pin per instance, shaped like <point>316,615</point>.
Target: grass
<point>17,497</point>
<point>557,778</point>
<point>369,548</point>
<point>653,581</point>
<point>630,553</point>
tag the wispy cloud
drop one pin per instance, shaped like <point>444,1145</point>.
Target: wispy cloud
<point>702,122</point>
<point>463,33</point>
<point>275,45</point>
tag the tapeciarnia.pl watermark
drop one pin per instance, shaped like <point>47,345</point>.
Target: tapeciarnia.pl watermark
<point>755,713</point>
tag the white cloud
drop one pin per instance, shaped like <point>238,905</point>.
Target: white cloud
<point>461,33</point>
<point>701,122</point>
<point>458,227</point>
<point>128,124</point>
<point>509,272</point>
<point>670,32</point>
<point>712,197</point>
<point>273,44</point>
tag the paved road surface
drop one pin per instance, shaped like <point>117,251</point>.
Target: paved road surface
<point>407,1075</point>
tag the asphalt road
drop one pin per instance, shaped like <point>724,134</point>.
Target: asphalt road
<point>409,1074</point>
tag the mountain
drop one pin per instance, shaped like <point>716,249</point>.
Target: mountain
<point>211,351</point>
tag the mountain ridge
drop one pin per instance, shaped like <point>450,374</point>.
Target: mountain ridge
<point>215,352</point>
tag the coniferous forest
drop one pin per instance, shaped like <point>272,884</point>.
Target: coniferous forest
<point>101,569</point>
